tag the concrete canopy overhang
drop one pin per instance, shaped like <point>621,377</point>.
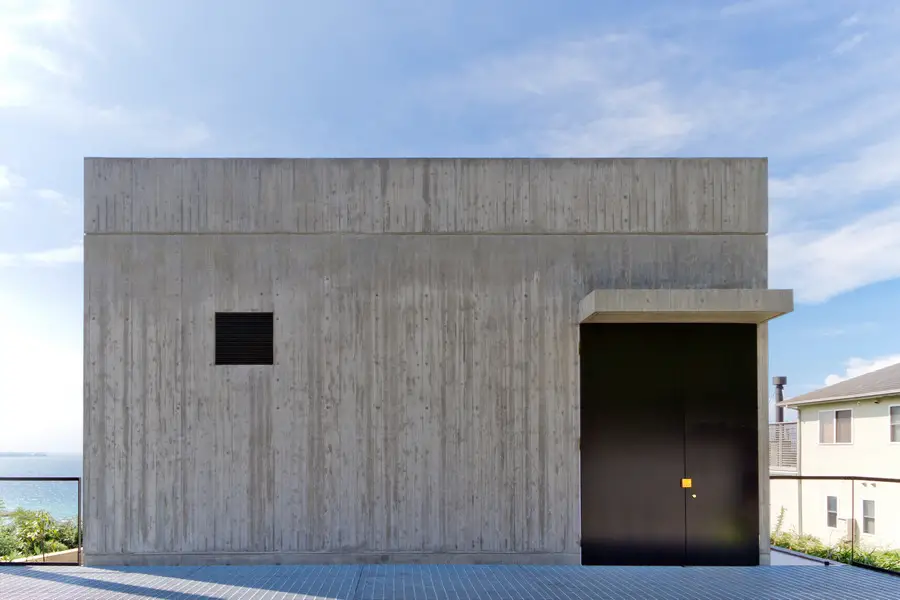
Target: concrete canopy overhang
<point>685,306</point>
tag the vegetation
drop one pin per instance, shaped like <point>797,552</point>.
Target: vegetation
<point>34,532</point>
<point>842,552</point>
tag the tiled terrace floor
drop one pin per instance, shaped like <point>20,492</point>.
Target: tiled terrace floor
<point>446,582</point>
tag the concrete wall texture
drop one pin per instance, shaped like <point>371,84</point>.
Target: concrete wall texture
<point>424,399</point>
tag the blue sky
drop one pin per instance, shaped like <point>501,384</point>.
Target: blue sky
<point>810,84</point>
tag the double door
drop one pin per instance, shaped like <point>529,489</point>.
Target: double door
<point>669,444</point>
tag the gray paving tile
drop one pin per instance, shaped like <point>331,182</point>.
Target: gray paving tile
<point>445,582</point>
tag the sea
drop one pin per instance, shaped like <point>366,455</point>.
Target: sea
<point>59,498</point>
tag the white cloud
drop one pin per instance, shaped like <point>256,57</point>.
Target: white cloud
<point>9,180</point>
<point>860,366</point>
<point>747,7</point>
<point>26,61</point>
<point>154,129</point>
<point>849,329</point>
<point>822,264</point>
<point>842,184</point>
<point>624,93</point>
<point>597,96</point>
<point>56,256</point>
<point>851,20</point>
<point>52,257</point>
<point>831,127</point>
<point>57,200</point>
<point>45,48</point>
<point>849,44</point>
<point>51,195</point>
<point>14,190</point>
<point>9,183</point>
<point>636,120</point>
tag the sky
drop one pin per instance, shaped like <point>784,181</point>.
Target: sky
<point>812,85</point>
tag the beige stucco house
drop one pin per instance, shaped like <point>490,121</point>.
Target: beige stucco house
<point>849,429</point>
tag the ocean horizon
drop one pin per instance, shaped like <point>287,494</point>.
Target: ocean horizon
<point>59,498</point>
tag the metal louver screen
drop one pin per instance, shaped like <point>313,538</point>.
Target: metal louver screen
<point>245,338</point>
<point>783,446</point>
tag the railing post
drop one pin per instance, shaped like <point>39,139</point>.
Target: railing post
<point>852,521</point>
<point>79,533</point>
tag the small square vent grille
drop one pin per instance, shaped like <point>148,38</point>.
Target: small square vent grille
<point>245,338</point>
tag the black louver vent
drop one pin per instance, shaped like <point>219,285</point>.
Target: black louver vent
<point>245,338</point>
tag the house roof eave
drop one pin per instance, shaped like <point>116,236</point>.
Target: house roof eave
<point>841,398</point>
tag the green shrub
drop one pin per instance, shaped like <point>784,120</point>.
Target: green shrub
<point>34,528</point>
<point>29,533</point>
<point>67,533</point>
<point>843,552</point>
<point>54,546</point>
<point>885,559</point>
<point>9,543</point>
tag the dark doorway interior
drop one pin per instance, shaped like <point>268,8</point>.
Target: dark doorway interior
<point>661,403</point>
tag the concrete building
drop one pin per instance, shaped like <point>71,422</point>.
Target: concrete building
<point>542,361</point>
<point>849,429</point>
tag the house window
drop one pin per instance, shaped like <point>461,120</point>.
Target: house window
<point>869,517</point>
<point>895,423</point>
<point>835,426</point>
<point>245,338</point>
<point>831,511</point>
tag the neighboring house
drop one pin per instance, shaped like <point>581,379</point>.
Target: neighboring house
<point>852,429</point>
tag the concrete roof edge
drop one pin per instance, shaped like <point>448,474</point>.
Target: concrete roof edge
<point>480,158</point>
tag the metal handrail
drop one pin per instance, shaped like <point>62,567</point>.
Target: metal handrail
<point>836,478</point>
<point>78,523</point>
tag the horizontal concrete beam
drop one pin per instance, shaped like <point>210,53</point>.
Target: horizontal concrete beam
<point>685,306</point>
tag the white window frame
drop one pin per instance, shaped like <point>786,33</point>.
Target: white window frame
<point>872,518</point>
<point>837,505</point>
<point>834,420</point>
<point>890,429</point>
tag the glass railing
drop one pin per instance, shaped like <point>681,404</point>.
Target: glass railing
<point>848,519</point>
<point>40,521</point>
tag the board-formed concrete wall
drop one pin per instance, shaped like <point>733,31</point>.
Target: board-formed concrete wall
<point>423,404</point>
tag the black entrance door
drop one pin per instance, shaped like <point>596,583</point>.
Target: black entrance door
<point>661,403</point>
<point>721,446</point>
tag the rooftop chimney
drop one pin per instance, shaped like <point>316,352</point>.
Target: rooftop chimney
<point>779,382</point>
